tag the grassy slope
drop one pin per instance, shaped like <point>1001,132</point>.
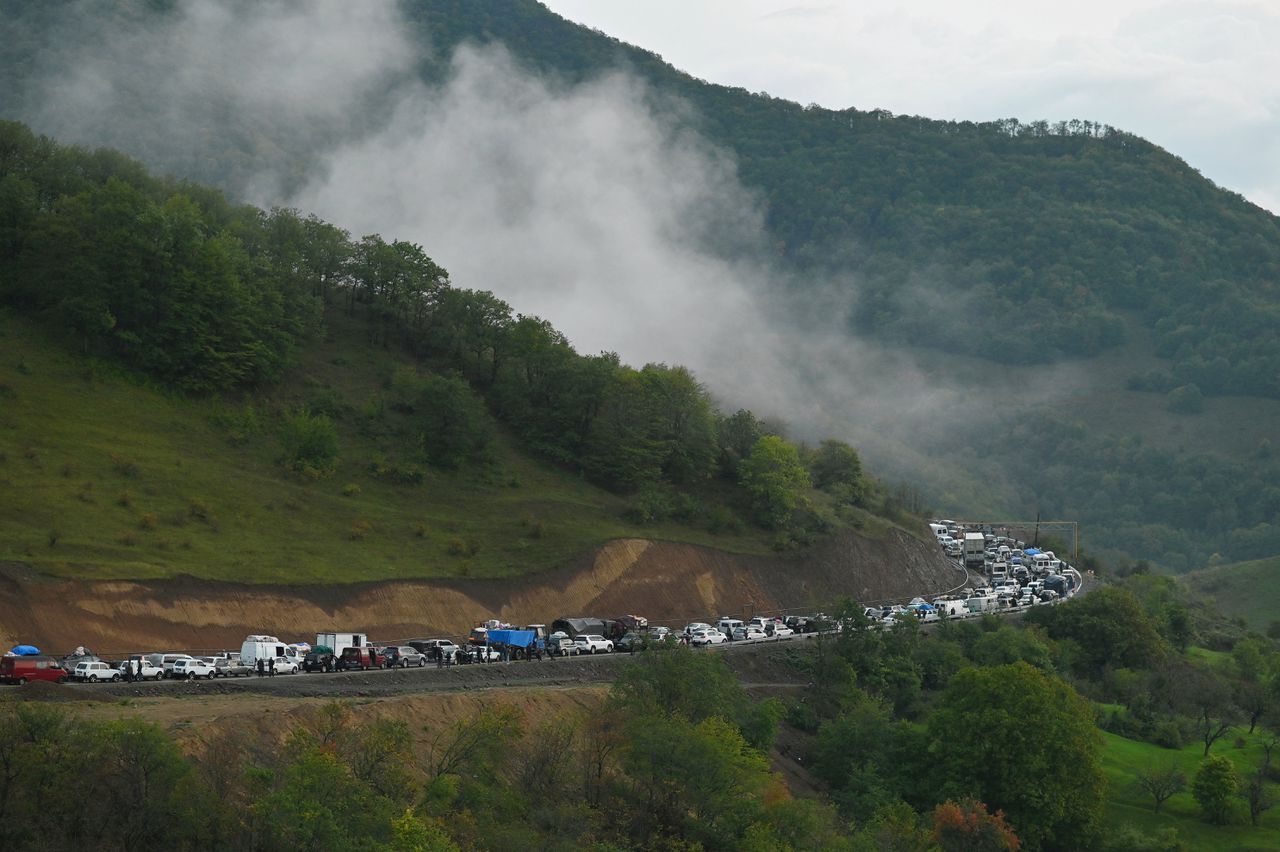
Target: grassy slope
<point>62,420</point>
<point>1126,804</point>
<point>1244,589</point>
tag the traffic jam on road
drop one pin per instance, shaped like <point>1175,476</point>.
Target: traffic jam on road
<point>1002,575</point>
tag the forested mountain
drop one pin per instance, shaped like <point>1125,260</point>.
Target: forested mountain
<point>210,299</point>
<point>1016,243</point>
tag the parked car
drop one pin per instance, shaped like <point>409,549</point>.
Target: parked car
<point>230,667</point>
<point>727,625</point>
<point>357,658</point>
<point>429,646</point>
<point>403,656</point>
<point>593,643</point>
<point>94,670</point>
<point>144,668</point>
<point>318,661</point>
<point>695,626</point>
<point>480,654</point>
<point>166,661</point>
<point>781,631</point>
<point>632,641</point>
<point>192,668</point>
<point>21,669</point>
<point>560,645</point>
<point>710,636</point>
<point>748,631</point>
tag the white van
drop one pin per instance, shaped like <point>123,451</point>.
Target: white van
<point>938,530</point>
<point>727,625</point>
<point>269,648</point>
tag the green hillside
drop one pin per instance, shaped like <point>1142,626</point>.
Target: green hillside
<point>1054,245</point>
<point>1245,590</point>
<point>106,477</point>
<point>256,396</point>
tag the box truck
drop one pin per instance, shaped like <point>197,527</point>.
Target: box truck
<point>975,550</point>
<point>338,641</point>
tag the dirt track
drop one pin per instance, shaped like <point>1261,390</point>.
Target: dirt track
<point>667,582</point>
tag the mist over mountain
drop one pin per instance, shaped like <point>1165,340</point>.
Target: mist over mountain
<point>937,292</point>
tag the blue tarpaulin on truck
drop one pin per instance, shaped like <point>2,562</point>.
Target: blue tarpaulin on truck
<point>514,638</point>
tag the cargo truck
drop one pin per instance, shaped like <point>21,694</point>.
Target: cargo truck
<point>975,550</point>
<point>337,642</point>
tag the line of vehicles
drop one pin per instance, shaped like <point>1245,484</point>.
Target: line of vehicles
<point>1018,576</point>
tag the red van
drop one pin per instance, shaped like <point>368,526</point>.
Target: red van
<point>19,670</point>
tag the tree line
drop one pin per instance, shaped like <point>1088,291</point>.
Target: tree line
<point>205,296</point>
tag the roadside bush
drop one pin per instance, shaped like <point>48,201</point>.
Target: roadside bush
<point>310,443</point>
<point>351,490</point>
<point>360,530</point>
<point>148,521</point>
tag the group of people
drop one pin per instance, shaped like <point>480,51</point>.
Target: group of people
<point>266,668</point>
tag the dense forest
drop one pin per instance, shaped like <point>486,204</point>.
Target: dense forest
<point>1041,237</point>
<point>203,296</point>
<point>1129,719</point>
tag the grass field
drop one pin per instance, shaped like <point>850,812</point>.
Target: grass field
<point>1245,590</point>
<point>1126,804</point>
<point>103,477</point>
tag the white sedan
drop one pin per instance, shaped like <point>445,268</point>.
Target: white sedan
<point>709,636</point>
<point>748,631</point>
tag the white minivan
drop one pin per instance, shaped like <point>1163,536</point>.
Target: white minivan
<point>267,648</point>
<point>727,625</point>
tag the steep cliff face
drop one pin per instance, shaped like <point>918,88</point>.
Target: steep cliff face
<point>666,582</point>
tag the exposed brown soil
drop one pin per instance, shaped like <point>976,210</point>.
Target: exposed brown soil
<point>666,582</point>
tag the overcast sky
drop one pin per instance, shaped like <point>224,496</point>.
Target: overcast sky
<point>1200,78</point>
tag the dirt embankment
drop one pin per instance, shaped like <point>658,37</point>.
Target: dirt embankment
<point>667,582</point>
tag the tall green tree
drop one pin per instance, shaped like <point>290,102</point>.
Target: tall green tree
<point>774,477</point>
<point>1023,742</point>
<point>1214,788</point>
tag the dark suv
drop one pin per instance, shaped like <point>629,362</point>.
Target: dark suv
<point>318,661</point>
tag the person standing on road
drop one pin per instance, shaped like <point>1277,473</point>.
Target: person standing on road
<point>261,667</point>
<point>271,667</point>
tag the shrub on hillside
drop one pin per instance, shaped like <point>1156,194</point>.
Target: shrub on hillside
<point>310,443</point>
<point>1186,399</point>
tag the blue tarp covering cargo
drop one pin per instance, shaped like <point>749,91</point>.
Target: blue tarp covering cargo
<point>25,650</point>
<point>514,638</point>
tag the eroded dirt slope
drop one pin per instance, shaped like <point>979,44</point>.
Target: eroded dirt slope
<point>667,582</point>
